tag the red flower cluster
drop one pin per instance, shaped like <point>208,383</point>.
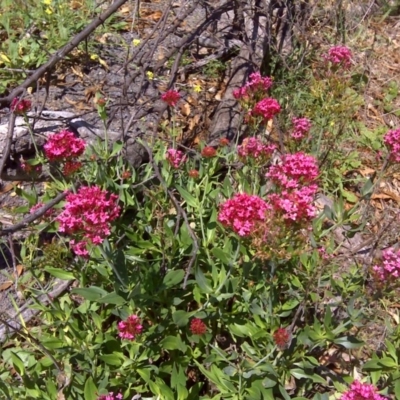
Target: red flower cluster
<point>242,213</point>
<point>339,55</point>
<point>256,86</point>
<point>301,127</point>
<point>171,97</point>
<point>255,148</point>
<point>88,213</point>
<point>266,109</point>
<point>64,146</point>
<point>20,106</point>
<point>392,140</point>
<point>198,327</point>
<point>193,173</point>
<point>281,338</point>
<point>362,391</point>
<point>175,158</point>
<point>129,328</point>
<point>208,152</point>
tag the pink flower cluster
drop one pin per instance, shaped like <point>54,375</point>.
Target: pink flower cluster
<point>266,109</point>
<point>110,396</point>
<point>295,170</point>
<point>242,212</point>
<point>89,213</point>
<point>19,106</point>
<point>295,177</point>
<point>171,97</point>
<point>392,139</point>
<point>175,158</point>
<point>255,86</point>
<point>362,391</point>
<point>390,267</point>
<point>301,127</point>
<point>255,148</point>
<point>64,146</point>
<point>38,206</point>
<point>129,328</point>
<point>339,55</point>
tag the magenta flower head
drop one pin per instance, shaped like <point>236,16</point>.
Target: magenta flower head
<point>64,146</point>
<point>301,127</point>
<point>171,97</point>
<point>339,55</point>
<point>20,106</point>
<point>390,267</point>
<point>175,157</point>
<point>362,391</point>
<point>129,328</point>
<point>242,213</point>
<point>110,396</point>
<point>88,214</point>
<point>198,327</point>
<point>392,140</point>
<point>254,148</point>
<point>266,109</point>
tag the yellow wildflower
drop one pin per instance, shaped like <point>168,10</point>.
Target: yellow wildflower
<point>47,2</point>
<point>197,88</point>
<point>136,42</point>
<point>48,11</point>
<point>150,75</point>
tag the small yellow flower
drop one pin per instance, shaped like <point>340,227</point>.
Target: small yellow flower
<point>136,42</point>
<point>48,11</point>
<point>332,123</point>
<point>197,88</point>
<point>47,2</point>
<point>94,57</point>
<point>150,75</point>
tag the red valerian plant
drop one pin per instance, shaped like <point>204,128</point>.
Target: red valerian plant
<point>110,396</point>
<point>129,328</point>
<point>64,146</point>
<point>20,106</point>
<point>254,148</point>
<point>198,327</point>
<point>362,391</point>
<point>208,152</point>
<point>175,157</point>
<point>392,140</point>
<point>339,55</point>
<point>242,213</point>
<point>171,97</point>
<point>266,109</point>
<point>193,173</point>
<point>301,127</point>
<point>256,86</point>
<point>88,213</point>
<point>390,267</point>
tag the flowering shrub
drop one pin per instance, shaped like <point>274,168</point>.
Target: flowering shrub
<point>175,157</point>
<point>301,127</point>
<point>362,391</point>
<point>64,146</point>
<point>89,214</point>
<point>129,328</point>
<point>266,109</point>
<point>242,212</point>
<point>392,139</point>
<point>390,268</point>
<point>198,327</point>
<point>171,97</point>
<point>339,55</point>
<point>20,106</point>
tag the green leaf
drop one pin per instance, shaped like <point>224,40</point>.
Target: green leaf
<point>181,317</point>
<point>221,255</point>
<point>17,363</point>
<point>60,273</point>
<point>173,343</point>
<point>388,362</point>
<point>111,298</point>
<point>202,281</point>
<point>190,200</point>
<point>111,359</point>
<point>371,365</point>
<point>91,293</point>
<point>172,278</point>
<point>90,390</point>
<point>349,342</point>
